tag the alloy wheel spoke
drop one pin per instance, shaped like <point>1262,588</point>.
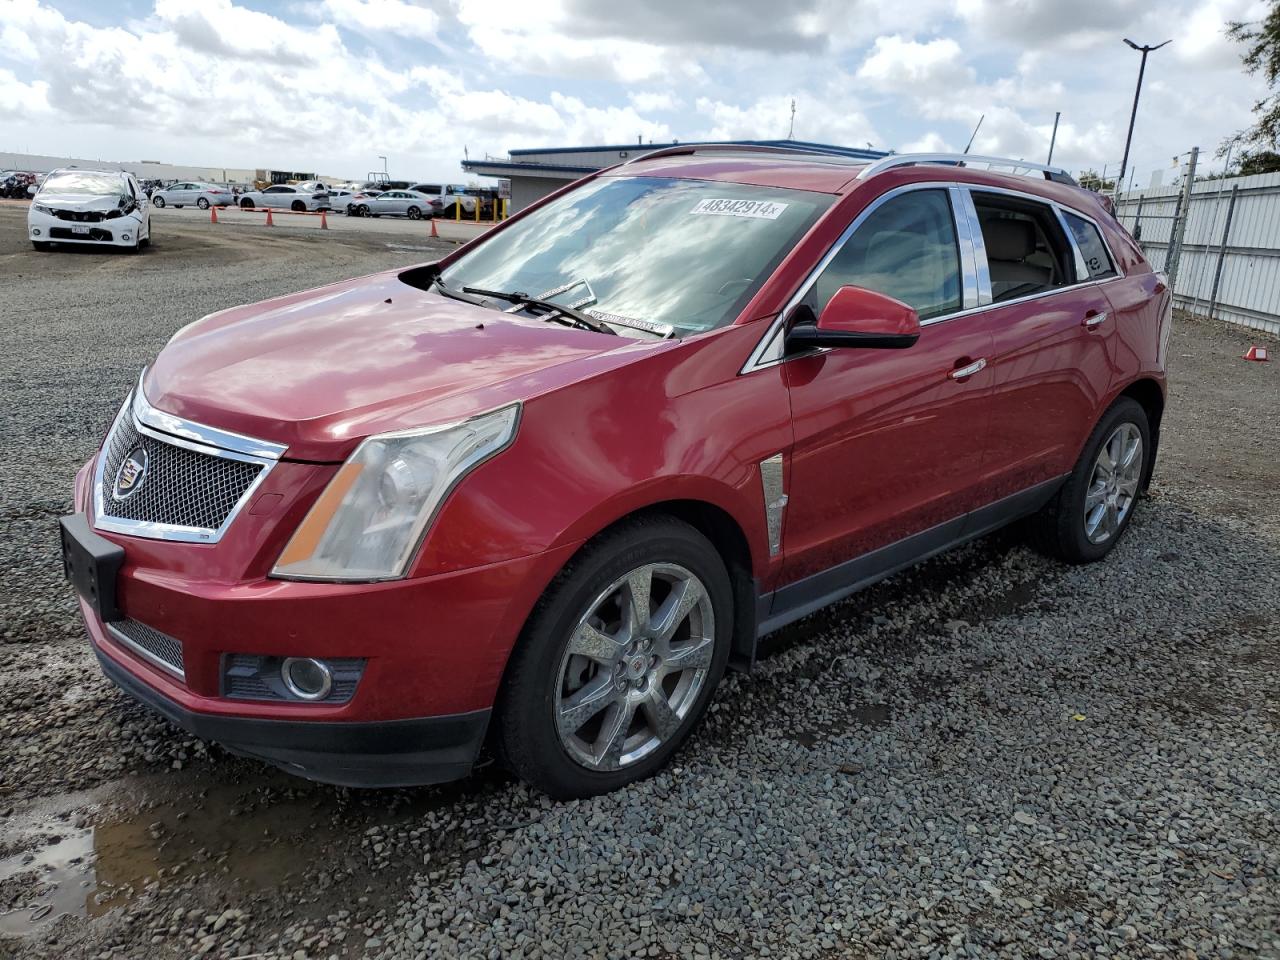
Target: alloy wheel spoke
<point>613,734</point>
<point>692,654</point>
<point>1096,495</point>
<point>657,710</point>
<point>585,703</point>
<point>684,596</point>
<point>636,593</point>
<point>587,641</point>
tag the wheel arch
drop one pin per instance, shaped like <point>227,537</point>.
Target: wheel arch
<point>1150,395</point>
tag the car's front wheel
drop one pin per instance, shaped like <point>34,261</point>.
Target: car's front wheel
<point>1094,507</point>
<point>41,245</point>
<point>158,202</point>
<point>298,207</point>
<point>618,661</point>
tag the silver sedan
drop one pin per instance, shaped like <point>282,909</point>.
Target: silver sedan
<point>193,194</point>
<point>397,203</point>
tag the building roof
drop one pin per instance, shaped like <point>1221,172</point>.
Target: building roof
<point>544,161</point>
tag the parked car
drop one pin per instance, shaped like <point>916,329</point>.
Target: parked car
<point>397,203</point>
<point>189,193</point>
<point>444,197</point>
<point>355,202</point>
<point>546,489</point>
<point>100,207</point>
<point>284,197</point>
<point>339,198</point>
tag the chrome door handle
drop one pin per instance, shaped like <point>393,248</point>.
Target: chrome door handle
<point>959,373</point>
<point>1094,321</point>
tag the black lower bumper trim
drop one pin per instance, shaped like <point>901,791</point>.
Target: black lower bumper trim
<point>388,753</point>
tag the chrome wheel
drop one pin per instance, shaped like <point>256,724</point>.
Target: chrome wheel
<point>634,666</point>
<point>1113,485</point>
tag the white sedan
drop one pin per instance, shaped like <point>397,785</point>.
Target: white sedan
<point>397,203</point>
<point>104,208</point>
<point>193,194</point>
<point>285,197</point>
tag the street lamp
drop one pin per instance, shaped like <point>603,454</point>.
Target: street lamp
<point>1124,164</point>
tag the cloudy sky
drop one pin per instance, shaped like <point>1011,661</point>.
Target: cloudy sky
<point>328,85</point>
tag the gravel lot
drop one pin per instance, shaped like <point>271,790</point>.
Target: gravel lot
<point>990,755</point>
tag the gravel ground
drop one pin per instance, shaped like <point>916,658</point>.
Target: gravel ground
<point>992,754</point>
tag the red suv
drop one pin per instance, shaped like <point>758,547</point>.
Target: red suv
<point>546,490</point>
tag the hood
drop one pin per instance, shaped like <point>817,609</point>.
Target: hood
<point>78,201</point>
<point>321,370</point>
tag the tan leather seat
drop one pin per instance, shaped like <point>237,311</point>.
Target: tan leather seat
<point>1009,244</point>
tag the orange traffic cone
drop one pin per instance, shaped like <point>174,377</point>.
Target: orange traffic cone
<point>434,232</point>
<point>1257,353</point>
<point>324,220</point>
<point>213,214</point>
<point>270,223</point>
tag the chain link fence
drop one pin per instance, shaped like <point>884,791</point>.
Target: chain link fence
<point>1218,240</point>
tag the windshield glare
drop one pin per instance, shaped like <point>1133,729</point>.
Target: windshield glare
<point>688,254</point>
<point>84,183</point>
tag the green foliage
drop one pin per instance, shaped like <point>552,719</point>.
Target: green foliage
<point>1262,55</point>
<point>1091,180</point>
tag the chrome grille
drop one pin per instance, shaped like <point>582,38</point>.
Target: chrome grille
<point>182,487</point>
<point>159,648</point>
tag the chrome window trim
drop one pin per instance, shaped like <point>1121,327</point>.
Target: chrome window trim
<point>136,407</point>
<point>126,641</point>
<point>769,350</point>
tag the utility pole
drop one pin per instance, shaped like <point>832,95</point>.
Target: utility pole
<point>1053,139</point>
<point>1133,114</point>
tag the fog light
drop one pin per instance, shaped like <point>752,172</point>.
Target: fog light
<point>124,236</point>
<point>306,678</point>
<point>35,231</point>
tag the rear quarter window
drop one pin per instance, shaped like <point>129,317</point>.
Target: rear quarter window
<point>1096,258</point>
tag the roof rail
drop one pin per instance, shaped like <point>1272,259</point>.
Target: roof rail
<point>690,149</point>
<point>1056,174</point>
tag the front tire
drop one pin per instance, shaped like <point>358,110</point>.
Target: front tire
<point>1087,517</point>
<point>43,246</point>
<point>158,202</point>
<point>618,660</point>
<point>298,207</point>
<point>246,204</point>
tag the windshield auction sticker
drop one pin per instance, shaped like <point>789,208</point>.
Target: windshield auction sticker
<point>751,209</point>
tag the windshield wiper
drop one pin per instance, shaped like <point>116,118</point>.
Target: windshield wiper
<point>438,282</point>
<point>554,311</point>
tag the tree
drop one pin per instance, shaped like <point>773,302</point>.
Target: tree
<point>1090,180</point>
<point>1262,56</point>
<point>1258,161</point>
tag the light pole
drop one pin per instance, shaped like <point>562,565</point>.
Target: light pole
<point>1144,50</point>
<point>384,164</point>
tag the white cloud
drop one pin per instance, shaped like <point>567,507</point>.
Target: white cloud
<point>651,102</point>
<point>398,17</point>
<point>900,65</point>
<point>769,118</point>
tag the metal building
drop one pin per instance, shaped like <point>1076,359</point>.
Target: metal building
<point>538,172</point>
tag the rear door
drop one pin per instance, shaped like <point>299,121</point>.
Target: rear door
<point>1051,325</point>
<point>888,443</point>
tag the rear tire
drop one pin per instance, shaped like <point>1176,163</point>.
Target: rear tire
<point>298,206</point>
<point>1087,517</point>
<point>203,203</point>
<point>644,686</point>
<point>246,204</point>
<point>415,213</point>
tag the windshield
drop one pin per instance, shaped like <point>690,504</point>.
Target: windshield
<point>660,254</point>
<point>85,183</point>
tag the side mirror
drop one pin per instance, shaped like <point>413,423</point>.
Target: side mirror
<point>857,317</point>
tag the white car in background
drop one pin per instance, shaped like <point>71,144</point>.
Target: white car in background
<point>397,203</point>
<point>286,197</point>
<point>445,196</point>
<point>95,207</point>
<point>339,198</point>
<point>193,194</point>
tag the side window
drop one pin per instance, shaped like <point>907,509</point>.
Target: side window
<point>1096,259</point>
<point>907,249</point>
<point>1027,252</point>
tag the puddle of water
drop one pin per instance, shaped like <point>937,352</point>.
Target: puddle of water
<point>250,836</point>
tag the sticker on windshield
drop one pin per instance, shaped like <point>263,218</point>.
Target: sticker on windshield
<point>751,209</point>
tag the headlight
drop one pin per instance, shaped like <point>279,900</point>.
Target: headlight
<point>369,521</point>
<point>41,208</point>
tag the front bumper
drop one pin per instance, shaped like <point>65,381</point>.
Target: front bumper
<point>102,233</point>
<point>391,753</point>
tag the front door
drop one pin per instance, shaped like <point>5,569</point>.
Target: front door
<point>888,443</point>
